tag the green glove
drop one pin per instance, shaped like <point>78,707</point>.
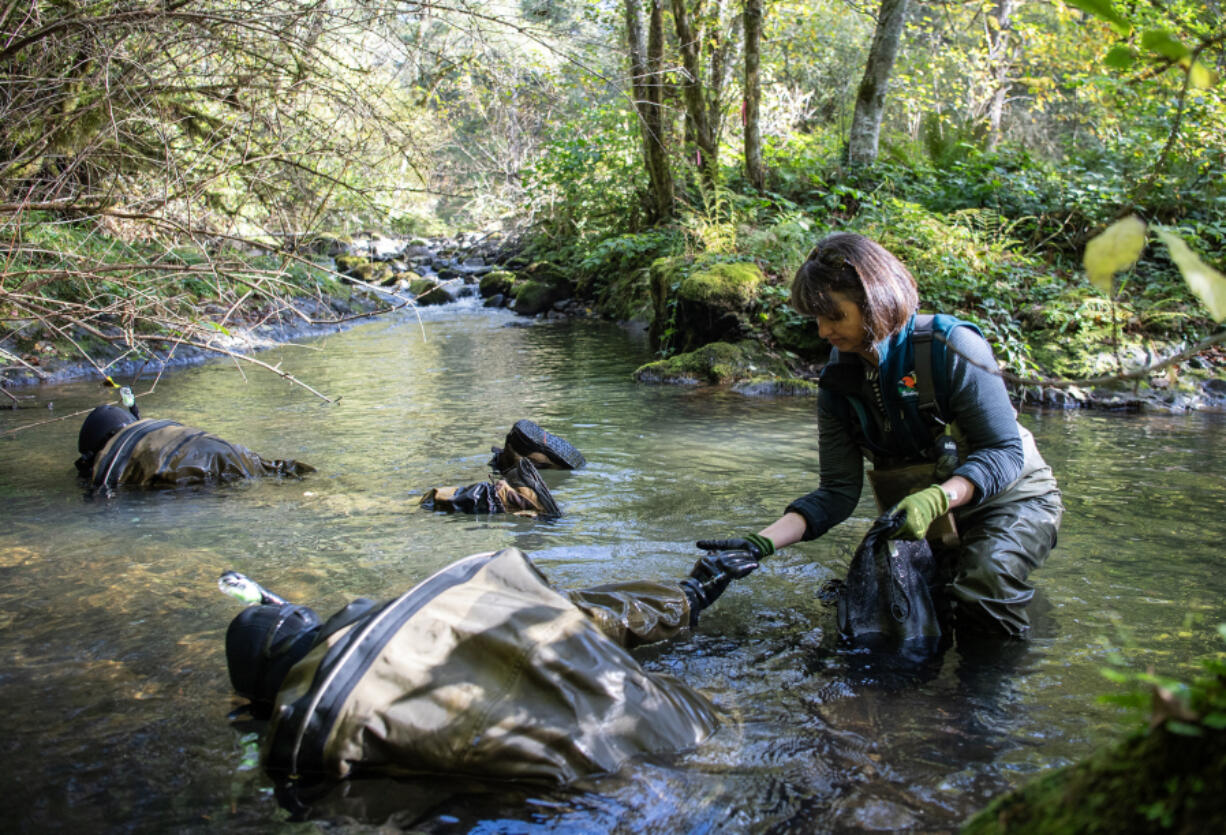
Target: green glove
<point>922,509</point>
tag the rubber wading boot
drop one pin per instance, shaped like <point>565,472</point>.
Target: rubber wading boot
<point>525,490</point>
<point>546,450</point>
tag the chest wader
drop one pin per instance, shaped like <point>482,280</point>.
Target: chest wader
<point>485,671</point>
<point>891,483</point>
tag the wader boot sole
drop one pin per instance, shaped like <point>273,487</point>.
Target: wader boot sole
<point>527,438</point>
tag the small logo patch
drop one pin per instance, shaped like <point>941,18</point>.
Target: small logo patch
<point>906,386</point>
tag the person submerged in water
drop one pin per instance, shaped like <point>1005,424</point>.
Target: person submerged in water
<point>118,448</point>
<point>483,670</point>
<point>516,485</point>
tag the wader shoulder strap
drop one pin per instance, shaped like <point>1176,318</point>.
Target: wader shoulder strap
<point>121,449</point>
<point>928,364</point>
<point>342,668</point>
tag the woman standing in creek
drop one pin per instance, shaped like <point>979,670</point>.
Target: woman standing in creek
<point>919,398</point>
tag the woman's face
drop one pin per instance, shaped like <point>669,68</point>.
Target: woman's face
<point>845,333</point>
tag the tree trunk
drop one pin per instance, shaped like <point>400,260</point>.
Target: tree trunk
<point>999,59</point>
<point>754,171</point>
<point>702,101</point>
<point>870,99</point>
<point>647,83</point>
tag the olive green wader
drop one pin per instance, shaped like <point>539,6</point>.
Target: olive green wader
<point>163,453</point>
<point>986,551</point>
<point>484,670</point>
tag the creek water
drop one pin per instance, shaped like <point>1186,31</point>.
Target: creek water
<point>111,624</point>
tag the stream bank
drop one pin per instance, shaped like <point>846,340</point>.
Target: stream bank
<point>711,321</point>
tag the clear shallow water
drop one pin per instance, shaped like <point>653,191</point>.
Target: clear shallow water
<point>111,626</point>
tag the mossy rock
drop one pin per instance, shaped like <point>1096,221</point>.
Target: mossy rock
<point>777,387</point>
<point>546,272</point>
<point>725,285</point>
<point>696,302</point>
<point>538,287</point>
<point>375,273</point>
<point>427,291</point>
<point>627,298</point>
<point>1156,781</point>
<point>363,269</point>
<point>801,338</point>
<point>326,244</point>
<point>718,363</point>
<point>496,282</point>
<point>533,297</point>
<point>349,264</point>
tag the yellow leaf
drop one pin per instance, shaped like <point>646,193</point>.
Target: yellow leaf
<point>1208,284</point>
<point>1202,76</point>
<point>1115,248</point>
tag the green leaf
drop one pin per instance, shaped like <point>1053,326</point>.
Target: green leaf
<point>1163,43</point>
<point>1216,721</point>
<point>1105,10</point>
<point>1115,248</point>
<point>1120,57</point>
<point>1183,728</point>
<point>1201,76</point>
<point>1208,284</point>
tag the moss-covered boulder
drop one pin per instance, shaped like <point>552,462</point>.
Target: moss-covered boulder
<point>716,363</point>
<point>627,298</point>
<point>363,269</point>
<point>696,302</point>
<point>347,264</point>
<point>782,386</point>
<point>541,285</point>
<point>533,297</point>
<point>427,291</point>
<point>798,334</point>
<point>1157,781</point>
<point>496,283</point>
<point>325,244</point>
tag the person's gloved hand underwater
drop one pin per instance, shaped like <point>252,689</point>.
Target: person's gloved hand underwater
<point>757,545</point>
<point>921,509</point>
<point>712,574</point>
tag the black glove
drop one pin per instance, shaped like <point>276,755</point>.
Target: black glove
<point>711,575</point>
<point>756,545</point>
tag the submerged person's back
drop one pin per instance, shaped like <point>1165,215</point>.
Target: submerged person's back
<point>117,450</point>
<point>482,670</point>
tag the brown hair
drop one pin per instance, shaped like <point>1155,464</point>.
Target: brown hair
<point>864,271</point>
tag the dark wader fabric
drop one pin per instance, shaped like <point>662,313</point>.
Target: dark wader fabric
<point>484,670</point>
<point>989,550</point>
<point>520,491</point>
<point>162,453</point>
<point>487,497</point>
<point>885,602</point>
<point>1001,545</point>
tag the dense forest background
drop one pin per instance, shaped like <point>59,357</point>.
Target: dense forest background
<point>161,157</point>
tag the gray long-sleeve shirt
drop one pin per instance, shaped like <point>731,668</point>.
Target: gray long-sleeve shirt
<point>978,403</point>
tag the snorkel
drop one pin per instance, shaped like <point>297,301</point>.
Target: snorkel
<point>245,590</point>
